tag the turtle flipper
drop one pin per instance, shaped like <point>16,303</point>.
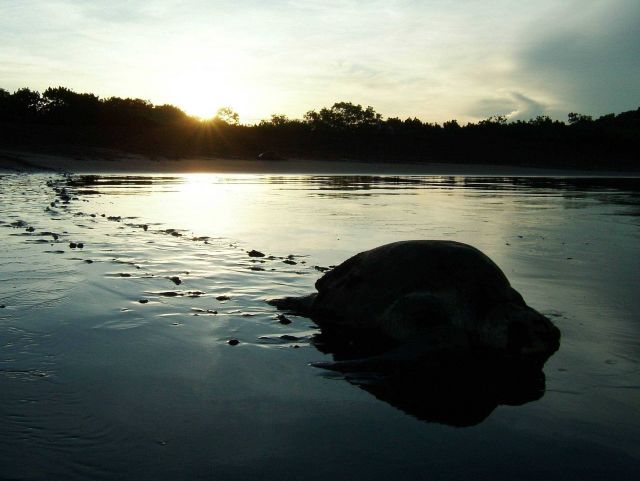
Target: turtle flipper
<point>298,305</point>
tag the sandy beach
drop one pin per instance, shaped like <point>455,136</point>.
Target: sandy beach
<point>137,343</point>
<point>117,162</point>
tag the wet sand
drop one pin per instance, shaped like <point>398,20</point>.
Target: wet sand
<point>114,162</point>
<point>137,343</point>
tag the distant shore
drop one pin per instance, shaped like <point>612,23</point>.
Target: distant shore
<point>116,162</point>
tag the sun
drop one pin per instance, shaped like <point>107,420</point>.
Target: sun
<point>198,95</point>
<point>201,92</point>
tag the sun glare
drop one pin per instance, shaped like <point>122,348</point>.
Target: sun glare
<point>198,97</point>
<point>201,93</point>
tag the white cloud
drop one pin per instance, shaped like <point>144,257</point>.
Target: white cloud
<point>435,59</point>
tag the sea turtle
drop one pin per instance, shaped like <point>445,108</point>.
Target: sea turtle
<point>429,297</point>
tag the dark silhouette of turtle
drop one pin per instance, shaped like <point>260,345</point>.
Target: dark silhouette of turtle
<point>426,299</point>
<point>431,327</point>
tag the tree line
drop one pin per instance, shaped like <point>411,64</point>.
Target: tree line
<point>60,117</point>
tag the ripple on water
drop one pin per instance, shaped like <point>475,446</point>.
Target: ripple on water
<point>113,356</point>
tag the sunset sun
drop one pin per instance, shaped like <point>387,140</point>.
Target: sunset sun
<point>198,94</point>
<point>202,91</point>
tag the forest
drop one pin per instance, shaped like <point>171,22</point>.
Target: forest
<point>60,120</point>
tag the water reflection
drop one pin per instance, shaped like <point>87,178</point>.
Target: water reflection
<point>371,182</point>
<point>457,391</point>
<point>459,396</point>
<point>102,355</point>
<point>234,200</point>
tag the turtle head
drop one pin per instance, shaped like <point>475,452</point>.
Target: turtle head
<point>520,332</point>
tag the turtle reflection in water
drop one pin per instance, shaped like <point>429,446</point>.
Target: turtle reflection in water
<point>432,327</point>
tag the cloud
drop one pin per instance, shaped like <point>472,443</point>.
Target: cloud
<point>589,60</point>
<point>514,106</point>
<point>527,108</point>
<point>435,59</point>
<point>490,107</point>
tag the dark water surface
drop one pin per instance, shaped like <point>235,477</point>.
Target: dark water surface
<point>95,384</point>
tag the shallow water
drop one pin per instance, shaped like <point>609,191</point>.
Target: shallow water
<point>95,384</point>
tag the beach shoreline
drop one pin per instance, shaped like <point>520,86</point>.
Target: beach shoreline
<point>113,162</point>
<point>134,320</point>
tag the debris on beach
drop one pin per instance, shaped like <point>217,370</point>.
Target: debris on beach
<point>197,311</point>
<point>289,337</point>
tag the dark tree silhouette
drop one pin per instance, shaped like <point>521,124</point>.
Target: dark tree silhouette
<point>227,116</point>
<point>343,116</point>
<point>451,125</point>
<point>61,118</point>
<point>23,105</point>
<point>579,119</point>
<point>62,105</point>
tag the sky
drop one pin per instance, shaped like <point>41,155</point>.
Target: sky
<point>432,59</point>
